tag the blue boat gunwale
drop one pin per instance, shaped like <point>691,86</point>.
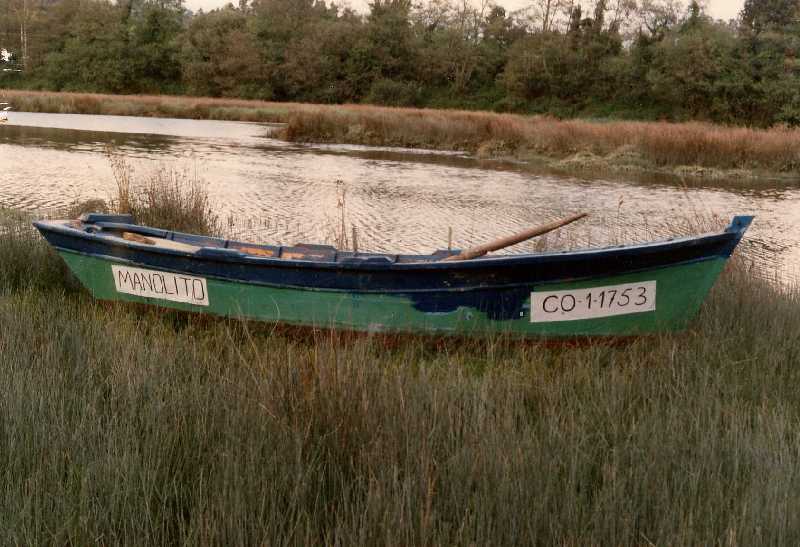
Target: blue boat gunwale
<point>377,261</point>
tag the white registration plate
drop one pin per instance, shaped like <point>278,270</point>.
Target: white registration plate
<point>161,285</point>
<point>594,302</point>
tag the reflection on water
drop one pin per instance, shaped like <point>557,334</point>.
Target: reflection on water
<point>401,200</point>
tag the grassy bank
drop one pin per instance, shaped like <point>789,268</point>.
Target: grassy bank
<point>130,425</point>
<point>154,106</point>
<point>681,149</point>
<point>695,150</point>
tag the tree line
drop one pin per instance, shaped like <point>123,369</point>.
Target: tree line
<point>625,58</point>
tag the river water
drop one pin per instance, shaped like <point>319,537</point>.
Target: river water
<point>267,190</point>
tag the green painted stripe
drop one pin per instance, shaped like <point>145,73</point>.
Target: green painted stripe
<point>681,291</point>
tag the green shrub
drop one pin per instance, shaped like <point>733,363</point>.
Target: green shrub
<point>393,93</point>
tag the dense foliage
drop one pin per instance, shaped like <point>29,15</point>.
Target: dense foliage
<point>628,58</point>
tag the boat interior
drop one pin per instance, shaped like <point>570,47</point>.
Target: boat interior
<point>123,229</point>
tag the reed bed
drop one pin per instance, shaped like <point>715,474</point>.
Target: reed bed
<point>642,144</point>
<point>694,148</point>
<point>156,106</point>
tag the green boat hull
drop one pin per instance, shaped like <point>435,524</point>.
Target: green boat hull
<point>681,289</point>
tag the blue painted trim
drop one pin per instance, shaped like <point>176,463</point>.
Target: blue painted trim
<point>740,224</point>
<point>381,273</point>
<point>93,218</point>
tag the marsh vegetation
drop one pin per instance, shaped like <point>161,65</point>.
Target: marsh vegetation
<point>124,424</point>
<point>685,150</point>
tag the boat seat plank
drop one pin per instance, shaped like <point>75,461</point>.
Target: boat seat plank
<point>160,243</point>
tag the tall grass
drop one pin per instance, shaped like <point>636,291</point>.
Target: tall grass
<point>27,262</point>
<point>123,424</point>
<point>645,146</point>
<point>166,197</point>
<point>128,425</point>
<point>159,106</point>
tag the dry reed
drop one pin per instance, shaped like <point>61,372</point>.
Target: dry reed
<point>166,197</point>
<point>658,144</point>
<point>647,145</point>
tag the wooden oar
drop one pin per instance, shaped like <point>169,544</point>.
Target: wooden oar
<point>502,243</point>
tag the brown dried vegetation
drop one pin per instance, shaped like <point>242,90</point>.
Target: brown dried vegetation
<point>692,147</point>
<point>659,144</point>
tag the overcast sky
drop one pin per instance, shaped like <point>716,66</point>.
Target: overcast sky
<point>721,9</point>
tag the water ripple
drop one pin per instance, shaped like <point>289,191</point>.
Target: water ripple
<point>273,191</point>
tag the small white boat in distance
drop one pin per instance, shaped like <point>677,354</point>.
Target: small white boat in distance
<point>4,112</point>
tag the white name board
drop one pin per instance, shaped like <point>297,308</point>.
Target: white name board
<point>161,285</point>
<point>594,302</point>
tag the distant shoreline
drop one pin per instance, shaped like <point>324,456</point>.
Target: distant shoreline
<point>690,150</point>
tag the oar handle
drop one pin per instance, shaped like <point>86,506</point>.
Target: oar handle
<point>502,243</point>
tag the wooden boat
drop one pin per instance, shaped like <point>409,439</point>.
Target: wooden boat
<point>614,291</point>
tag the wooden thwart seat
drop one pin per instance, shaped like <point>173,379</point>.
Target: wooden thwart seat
<point>159,242</point>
